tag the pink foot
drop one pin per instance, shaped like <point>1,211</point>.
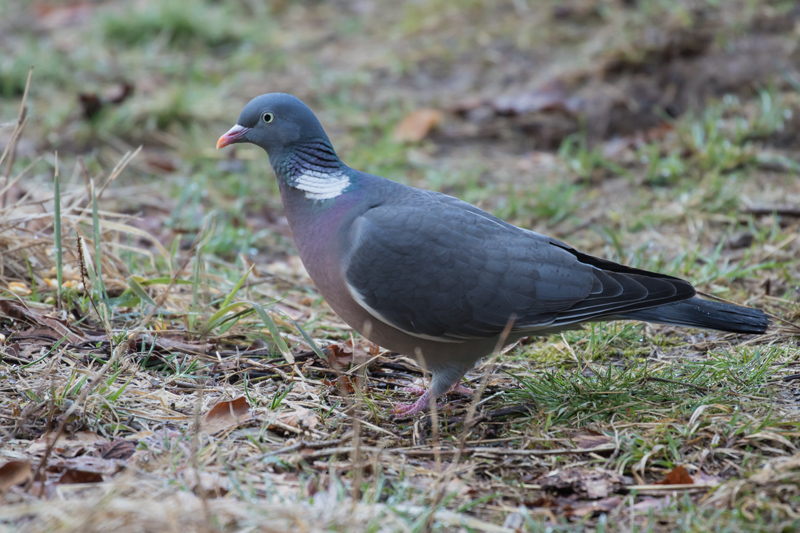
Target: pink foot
<point>457,388</point>
<point>410,409</point>
<point>423,402</point>
<point>461,389</point>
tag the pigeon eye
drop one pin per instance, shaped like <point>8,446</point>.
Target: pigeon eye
<point>267,117</point>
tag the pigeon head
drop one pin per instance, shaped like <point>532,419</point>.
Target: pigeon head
<point>276,122</point>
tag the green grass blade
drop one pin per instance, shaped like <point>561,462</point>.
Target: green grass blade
<point>139,291</point>
<point>98,264</point>
<point>222,316</point>
<point>57,233</point>
<point>317,350</point>
<point>237,287</point>
<point>273,331</point>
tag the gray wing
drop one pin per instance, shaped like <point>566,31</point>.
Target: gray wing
<point>438,267</point>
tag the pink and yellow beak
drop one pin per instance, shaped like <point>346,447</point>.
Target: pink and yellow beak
<point>231,136</point>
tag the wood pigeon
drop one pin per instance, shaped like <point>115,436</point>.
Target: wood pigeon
<point>430,276</point>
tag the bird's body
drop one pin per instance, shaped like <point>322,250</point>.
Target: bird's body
<point>427,275</point>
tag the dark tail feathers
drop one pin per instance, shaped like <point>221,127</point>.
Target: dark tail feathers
<point>706,314</point>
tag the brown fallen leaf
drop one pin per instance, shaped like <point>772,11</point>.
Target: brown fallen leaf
<point>345,385</point>
<point>678,476</point>
<point>648,504</point>
<point>13,473</point>
<point>161,162</point>
<point>549,97</point>
<point>86,464</point>
<point>118,449</point>
<point>605,505</point>
<point>416,126</point>
<point>226,415</point>
<point>615,147</point>
<point>19,311</point>
<point>301,418</point>
<point>169,343</point>
<point>206,484</point>
<point>594,484</point>
<point>590,439</point>
<point>343,355</point>
<point>70,476</point>
<point>92,103</point>
<point>67,445</point>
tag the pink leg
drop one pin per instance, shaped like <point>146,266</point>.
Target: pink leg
<point>410,409</point>
<point>461,389</point>
<point>416,391</point>
<point>457,388</point>
<point>423,402</point>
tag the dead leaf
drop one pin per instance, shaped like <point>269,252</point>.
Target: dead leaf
<point>93,103</point>
<point>162,162</point>
<point>118,449</point>
<point>594,483</point>
<point>226,415</point>
<point>70,476</point>
<point>167,343</point>
<point>616,146</point>
<point>14,473</point>
<point>19,311</point>
<point>652,504</point>
<point>678,476</point>
<point>605,505</point>
<point>590,439</point>
<point>549,97</point>
<point>416,126</point>
<point>301,418</point>
<point>68,445</point>
<point>707,479</point>
<point>345,385</point>
<point>206,484</point>
<point>342,355</point>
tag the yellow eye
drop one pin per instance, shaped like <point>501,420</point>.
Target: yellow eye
<point>267,117</point>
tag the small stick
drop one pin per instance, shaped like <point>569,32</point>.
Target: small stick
<point>785,210</point>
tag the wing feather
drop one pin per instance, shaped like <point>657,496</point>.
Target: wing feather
<point>441,268</point>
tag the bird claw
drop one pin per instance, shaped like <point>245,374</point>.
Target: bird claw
<point>457,388</point>
<point>461,389</point>
<point>416,391</point>
<point>423,402</point>
<point>410,409</point>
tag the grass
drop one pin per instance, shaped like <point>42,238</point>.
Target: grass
<point>186,292</point>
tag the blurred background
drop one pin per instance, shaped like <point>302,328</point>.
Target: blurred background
<point>610,123</point>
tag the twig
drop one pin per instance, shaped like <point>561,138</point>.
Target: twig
<point>301,445</point>
<point>667,488</point>
<point>785,210</point>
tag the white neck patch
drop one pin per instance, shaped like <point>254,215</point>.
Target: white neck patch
<point>320,185</point>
